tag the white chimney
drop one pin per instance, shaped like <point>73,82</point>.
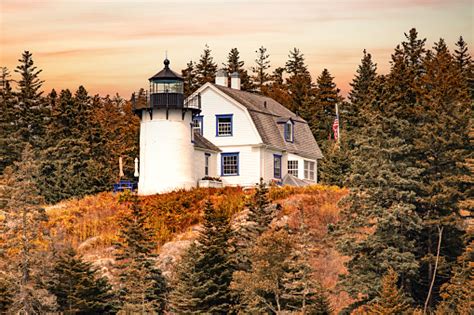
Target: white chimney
<point>235,80</point>
<point>221,78</point>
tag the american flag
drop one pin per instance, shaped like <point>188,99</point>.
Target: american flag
<point>335,128</point>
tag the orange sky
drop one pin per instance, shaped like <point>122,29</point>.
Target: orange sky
<point>113,46</point>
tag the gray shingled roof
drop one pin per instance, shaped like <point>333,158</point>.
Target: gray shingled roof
<point>291,180</point>
<point>267,115</point>
<point>203,143</point>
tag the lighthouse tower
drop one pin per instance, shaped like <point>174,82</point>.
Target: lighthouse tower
<point>166,147</point>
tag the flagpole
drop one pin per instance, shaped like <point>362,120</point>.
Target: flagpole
<point>338,123</point>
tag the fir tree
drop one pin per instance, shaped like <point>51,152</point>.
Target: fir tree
<point>366,74</point>
<point>24,217</point>
<point>10,146</point>
<point>261,77</point>
<point>464,61</point>
<point>299,83</point>
<point>142,287</point>
<point>336,165</point>
<point>31,108</point>
<point>458,293</point>
<point>323,111</point>
<point>391,300</point>
<point>234,64</point>
<point>78,287</point>
<point>206,68</point>
<point>190,79</point>
<point>209,269</point>
<point>277,88</point>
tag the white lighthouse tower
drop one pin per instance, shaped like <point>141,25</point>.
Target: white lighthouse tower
<point>166,147</point>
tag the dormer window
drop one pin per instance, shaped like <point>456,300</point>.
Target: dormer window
<point>289,131</point>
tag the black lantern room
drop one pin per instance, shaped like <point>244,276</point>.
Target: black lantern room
<point>166,91</point>
<point>166,88</point>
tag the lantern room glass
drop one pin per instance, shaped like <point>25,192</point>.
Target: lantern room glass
<point>168,86</point>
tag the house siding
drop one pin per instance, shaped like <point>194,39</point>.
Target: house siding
<point>243,130</point>
<point>199,164</point>
<point>301,160</point>
<point>268,173</point>
<point>249,170</point>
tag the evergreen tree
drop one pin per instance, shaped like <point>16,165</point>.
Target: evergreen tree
<point>142,287</point>
<point>78,287</point>
<point>366,74</point>
<point>336,165</point>
<point>458,293</point>
<point>464,61</point>
<point>184,298</point>
<point>31,108</point>
<point>10,146</point>
<point>323,111</point>
<point>206,68</point>
<point>23,229</point>
<point>210,269</point>
<point>6,293</point>
<point>300,290</point>
<point>190,79</point>
<point>261,77</point>
<point>299,83</point>
<point>234,64</point>
<point>277,88</point>
<point>391,300</point>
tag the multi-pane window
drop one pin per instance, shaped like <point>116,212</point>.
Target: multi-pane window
<point>289,131</point>
<point>229,164</point>
<point>223,125</point>
<point>198,124</point>
<point>276,166</point>
<point>293,168</point>
<point>309,170</point>
<point>207,156</point>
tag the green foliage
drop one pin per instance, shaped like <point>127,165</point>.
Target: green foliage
<point>234,64</point>
<point>203,280</point>
<point>299,82</point>
<point>261,77</point>
<point>190,79</point>
<point>390,300</point>
<point>335,167</point>
<point>206,68</point>
<point>142,288</point>
<point>78,287</point>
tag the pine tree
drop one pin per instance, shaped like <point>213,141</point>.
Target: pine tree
<point>142,288</point>
<point>23,229</point>
<point>299,83</point>
<point>31,108</point>
<point>261,288</point>
<point>234,64</point>
<point>261,77</point>
<point>366,74</point>
<point>207,267</point>
<point>391,300</point>
<point>323,109</point>
<point>336,165</point>
<point>300,290</point>
<point>458,293</point>
<point>190,79</point>
<point>78,287</point>
<point>206,68</point>
<point>277,89</point>
<point>10,146</point>
<point>6,293</point>
<point>184,298</point>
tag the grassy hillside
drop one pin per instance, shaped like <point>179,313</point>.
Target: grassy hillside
<point>90,224</point>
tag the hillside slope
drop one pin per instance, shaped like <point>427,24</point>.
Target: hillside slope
<point>90,224</point>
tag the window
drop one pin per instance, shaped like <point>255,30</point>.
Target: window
<point>289,131</point>
<point>207,156</point>
<point>229,164</point>
<point>309,168</point>
<point>276,166</point>
<point>198,124</point>
<point>293,168</point>
<point>223,125</point>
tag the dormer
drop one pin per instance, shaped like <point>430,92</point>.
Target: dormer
<point>288,129</point>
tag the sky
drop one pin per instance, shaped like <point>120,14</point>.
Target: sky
<point>114,46</point>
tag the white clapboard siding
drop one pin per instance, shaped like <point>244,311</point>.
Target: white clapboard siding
<point>249,167</point>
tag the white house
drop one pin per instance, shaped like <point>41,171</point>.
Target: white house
<point>219,131</point>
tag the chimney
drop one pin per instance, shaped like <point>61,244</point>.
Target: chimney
<point>235,80</point>
<point>221,78</point>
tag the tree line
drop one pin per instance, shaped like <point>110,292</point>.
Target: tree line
<point>405,153</point>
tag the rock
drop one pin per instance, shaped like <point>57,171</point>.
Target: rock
<point>170,254</point>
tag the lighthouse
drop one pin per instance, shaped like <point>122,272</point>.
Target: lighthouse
<point>166,139</point>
